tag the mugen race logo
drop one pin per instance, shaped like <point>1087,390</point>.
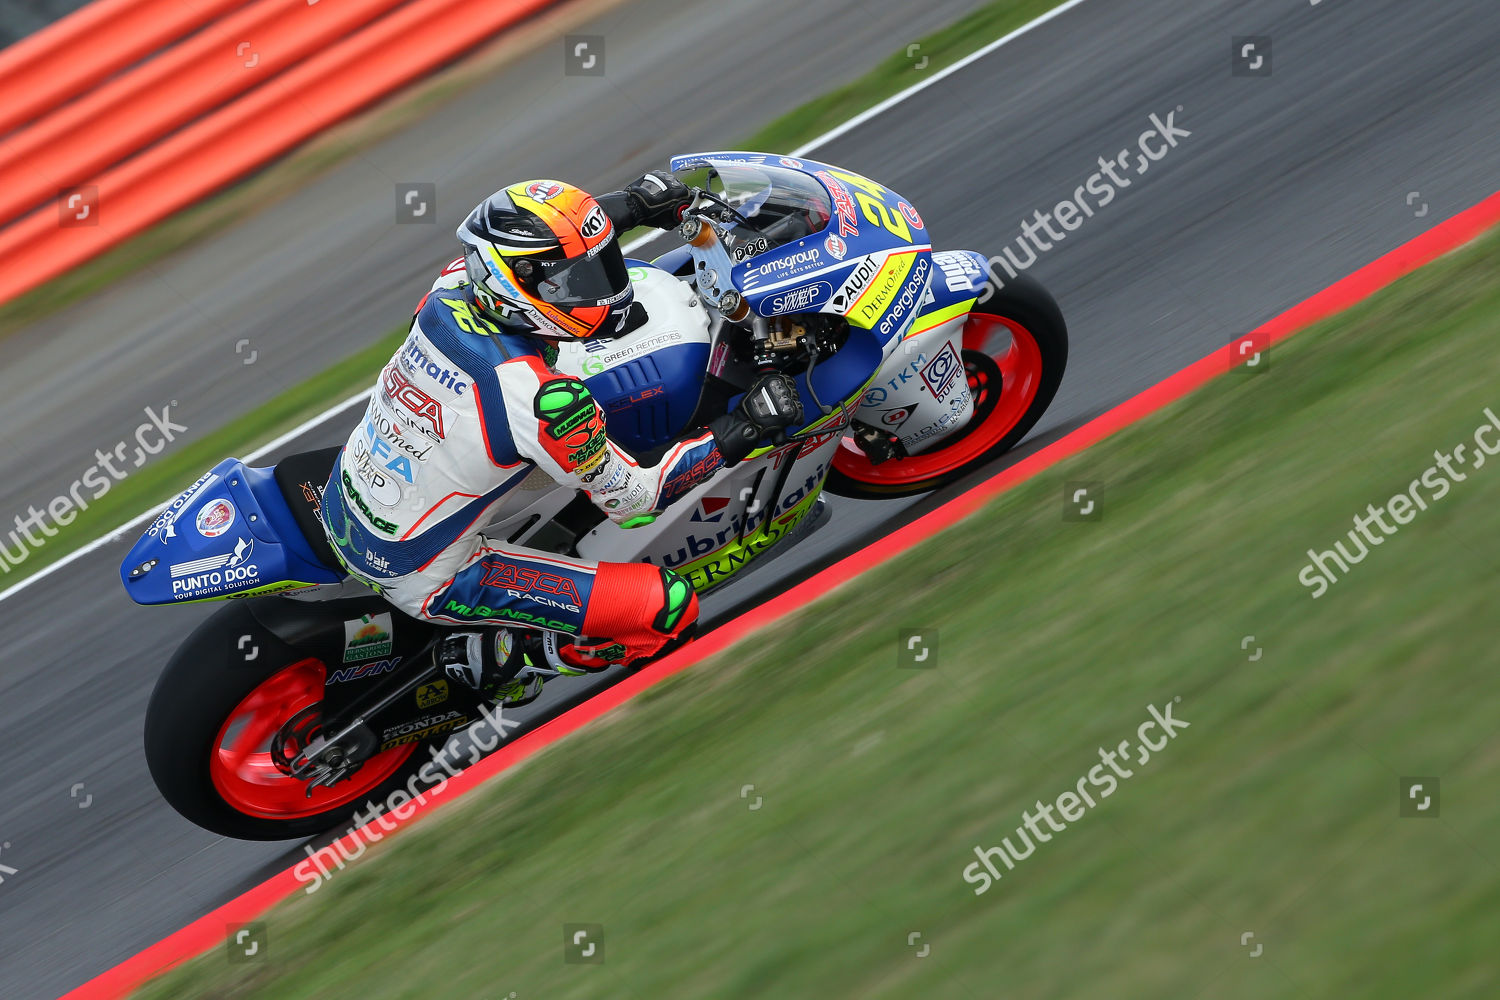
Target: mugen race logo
<point>571,428</point>
<point>399,388</point>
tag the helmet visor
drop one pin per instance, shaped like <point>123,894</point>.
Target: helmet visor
<point>584,281</point>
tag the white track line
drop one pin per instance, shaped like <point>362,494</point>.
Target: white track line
<point>802,150</point>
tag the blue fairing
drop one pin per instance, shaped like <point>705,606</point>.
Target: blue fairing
<point>673,260</point>
<point>230,534</point>
<point>865,222</point>
<point>648,401</point>
<point>958,276</point>
<point>838,378</point>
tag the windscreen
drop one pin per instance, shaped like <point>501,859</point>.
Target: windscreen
<point>778,205</point>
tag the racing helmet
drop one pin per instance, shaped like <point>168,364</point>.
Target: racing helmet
<point>545,254</point>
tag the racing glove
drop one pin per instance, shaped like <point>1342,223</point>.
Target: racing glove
<point>771,405</point>
<point>658,199</point>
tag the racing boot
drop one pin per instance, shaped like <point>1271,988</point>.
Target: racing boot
<point>494,664</point>
<point>576,655</point>
<point>572,656</point>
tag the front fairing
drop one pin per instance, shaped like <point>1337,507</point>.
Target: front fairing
<point>870,261</point>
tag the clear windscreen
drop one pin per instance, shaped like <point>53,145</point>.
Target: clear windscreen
<point>779,205</point>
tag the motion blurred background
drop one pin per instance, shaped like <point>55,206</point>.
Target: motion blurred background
<point>19,18</point>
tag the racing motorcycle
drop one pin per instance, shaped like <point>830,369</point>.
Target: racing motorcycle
<point>306,696</point>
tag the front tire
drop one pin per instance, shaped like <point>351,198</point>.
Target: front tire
<point>1015,348</point>
<point>208,728</point>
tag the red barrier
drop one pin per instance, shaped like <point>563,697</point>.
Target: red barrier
<point>66,58</point>
<point>128,113</point>
<point>250,132</point>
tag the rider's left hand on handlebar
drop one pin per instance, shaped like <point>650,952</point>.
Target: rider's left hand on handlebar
<point>658,199</point>
<point>771,406</point>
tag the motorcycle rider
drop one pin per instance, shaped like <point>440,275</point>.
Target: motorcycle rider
<point>470,407</point>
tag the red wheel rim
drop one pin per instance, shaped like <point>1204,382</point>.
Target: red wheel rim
<point>241,766</point>
<point>1008,347</point>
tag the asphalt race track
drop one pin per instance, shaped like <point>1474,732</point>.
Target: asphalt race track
<point>1287,183</point>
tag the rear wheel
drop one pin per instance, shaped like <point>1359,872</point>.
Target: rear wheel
<point>209,745</point>
<point>1015,348</point>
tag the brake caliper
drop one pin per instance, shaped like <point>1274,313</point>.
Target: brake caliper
<point>878,445</point>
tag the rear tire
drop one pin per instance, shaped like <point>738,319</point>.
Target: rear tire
<point>188,742</point>
<point>1012,391</point>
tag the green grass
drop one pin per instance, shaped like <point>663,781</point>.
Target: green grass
<point>177,468</point>
<point>897,72</point>
<point>1275,813</point>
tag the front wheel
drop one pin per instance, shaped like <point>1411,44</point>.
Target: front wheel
<point>210,727</point>
<point>1015,348</point>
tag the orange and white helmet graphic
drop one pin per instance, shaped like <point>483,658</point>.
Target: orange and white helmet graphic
<point>546,253</point>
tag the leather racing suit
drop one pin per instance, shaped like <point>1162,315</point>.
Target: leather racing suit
<point>465,412</point>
